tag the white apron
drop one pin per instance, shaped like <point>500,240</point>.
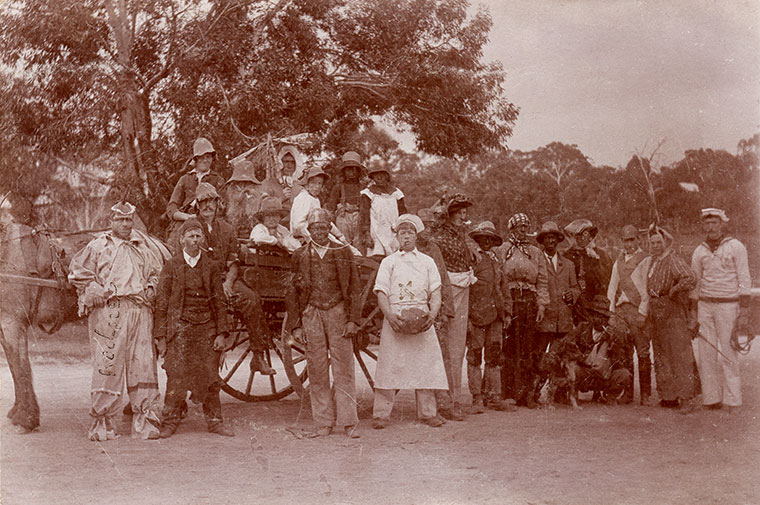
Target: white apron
<point>383,212</point>
<point>409,361</point>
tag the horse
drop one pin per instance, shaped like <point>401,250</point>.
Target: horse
<point>33,292</point>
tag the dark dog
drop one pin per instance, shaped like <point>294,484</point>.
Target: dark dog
<point>560,366</point>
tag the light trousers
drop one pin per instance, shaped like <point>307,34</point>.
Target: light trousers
<point>327,348</point>
<point>720,378</point>
<point>383,404</point>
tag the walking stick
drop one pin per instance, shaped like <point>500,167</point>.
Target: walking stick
<point>697,332</point>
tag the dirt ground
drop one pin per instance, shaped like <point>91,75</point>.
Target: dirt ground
<point>599,455</point>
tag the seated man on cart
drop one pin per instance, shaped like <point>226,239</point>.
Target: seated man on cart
<point>223,247</point>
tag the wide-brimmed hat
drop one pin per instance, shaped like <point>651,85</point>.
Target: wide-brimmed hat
<point>486,230</point>
<point>351,159</point>
<point>715,212</point>
<point>205,191</point>
<point>581,225</point>
<point>549,228</point>
<point>377,169</point>
<point>271,205</point>
<point>601,305</point>
<point>243,171</point>
<point>202,146</point>
<point>458,201</point>
<point>315,172</point>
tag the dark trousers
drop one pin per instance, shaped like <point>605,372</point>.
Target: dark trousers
<point>519,371</point>
<point>174,401</point>
<point>247,306</point>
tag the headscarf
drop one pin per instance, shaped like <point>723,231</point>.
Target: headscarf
<point>514,242</point>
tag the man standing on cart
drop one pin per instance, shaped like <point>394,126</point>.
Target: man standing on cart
<point>323,307</point>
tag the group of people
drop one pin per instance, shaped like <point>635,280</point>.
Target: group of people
<point>518,312</point>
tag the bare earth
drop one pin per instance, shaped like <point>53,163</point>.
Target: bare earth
<point>599,455</point>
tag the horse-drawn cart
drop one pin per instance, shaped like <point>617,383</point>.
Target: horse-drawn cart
<point>267,271</point>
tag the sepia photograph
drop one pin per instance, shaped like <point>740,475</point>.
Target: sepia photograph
<point>414,252</point>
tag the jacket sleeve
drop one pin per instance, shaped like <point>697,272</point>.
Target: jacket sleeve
<point>177,198</point>
<point>354,289</point>
<point>219,299</point>
<point>163,294</point>
<point>292,295</point>
<point>364,204</point>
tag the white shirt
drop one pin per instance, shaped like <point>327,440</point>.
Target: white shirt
<point>320,249</point>
<point>299,213</point>
<point>554,260</point>
<point>408,278</point>
<point>191,260</point>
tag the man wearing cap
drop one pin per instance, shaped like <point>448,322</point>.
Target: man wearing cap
<point>269,231</point>
<point>720,303</point>
<point>592,265</point>
<point>627,292</point>
<point>408,289</point>
<point>524,277</point>
<point>191,331</point>
<point>116,275</point>
<point>307,201</point>
<point>222,246</point>
<point>562,286</point>
<point>344,197</point>
<point>380,205</point>
<point>183,194</point>
<point>487,314</point>
<point>324,308</point>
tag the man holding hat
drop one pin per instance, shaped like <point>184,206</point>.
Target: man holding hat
<point>720,303</point>
<point>269,231</point>
<point>222,246</point>
<point>116,275</point>
<point>324,307</point>
<point>562,286</point>
<point>487,315</point>
<point>192,329</point>
<point>307,201</point>
<point>344,197</point>
<point>183,194</point>
<point>592,265</point>
<point>627,292</point>
<point>380,205</point>
<point>408,289</point>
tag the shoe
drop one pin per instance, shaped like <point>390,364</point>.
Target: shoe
<point>477,406</point>
<point>323,431</point>
<point>501,406</point>
<point>351,431</point>
<point>669,404</point>
<point>168,428</point>
<point>713,406</point>
<point>434,422</point>
<point>153,435</point>
<point>378,423</point>
<point>259,364</point>
<point>220,428</point>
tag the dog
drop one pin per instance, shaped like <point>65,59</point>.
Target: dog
<point>559,368</point>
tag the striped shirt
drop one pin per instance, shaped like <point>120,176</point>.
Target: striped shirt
<point>668,272</point>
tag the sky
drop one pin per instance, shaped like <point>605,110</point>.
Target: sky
<point>616,77</point>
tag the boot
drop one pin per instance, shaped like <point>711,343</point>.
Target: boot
<point>475,381</point>
<point>168,427</point>
<point>259,364</point>
<point>218,427</point>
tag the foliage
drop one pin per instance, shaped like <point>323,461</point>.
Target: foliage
<point>144,78</point>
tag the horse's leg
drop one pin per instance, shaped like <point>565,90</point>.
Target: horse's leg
<point>25,411</point>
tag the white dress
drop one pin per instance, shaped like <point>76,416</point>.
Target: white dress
<point>409,361</point>
<point>383,212</point>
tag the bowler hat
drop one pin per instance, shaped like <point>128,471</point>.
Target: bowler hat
<point>549,228</point>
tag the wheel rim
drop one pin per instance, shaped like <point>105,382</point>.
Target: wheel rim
<point>239,381</point>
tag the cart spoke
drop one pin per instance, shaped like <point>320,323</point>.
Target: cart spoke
<point>236,365</point>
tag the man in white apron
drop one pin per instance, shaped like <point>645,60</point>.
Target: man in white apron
<point>408,288</point>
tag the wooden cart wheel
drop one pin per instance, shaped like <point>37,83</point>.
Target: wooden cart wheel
<point>239,381</point>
